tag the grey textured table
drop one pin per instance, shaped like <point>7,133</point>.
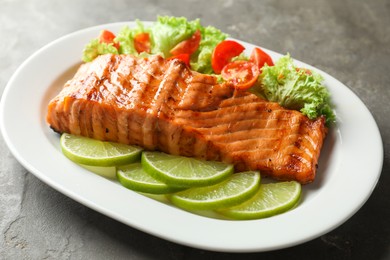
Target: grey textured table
<point>348,39</point>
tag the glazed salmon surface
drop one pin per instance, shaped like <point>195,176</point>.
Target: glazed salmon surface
<point>163,105</point>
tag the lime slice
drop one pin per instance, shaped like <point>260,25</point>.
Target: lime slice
<point>133,177</point>
<point>271,199</point>
<point>230,192</point>
<point>184,171</point>
<point>93,152</point>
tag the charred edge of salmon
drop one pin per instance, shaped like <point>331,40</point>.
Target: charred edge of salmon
<point>162,105</point>
<point>55,130</point>
<point>307,176</point>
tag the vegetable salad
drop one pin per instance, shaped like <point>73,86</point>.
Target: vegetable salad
<point>207,50</point>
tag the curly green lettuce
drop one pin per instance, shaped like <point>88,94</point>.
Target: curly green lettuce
<point>201,59</point>
<point>95,48</point>
<point>295,88</point>
<point>168,31</point>
<point>125,38</point>
<point>165,34</point>
<point>126,35</point>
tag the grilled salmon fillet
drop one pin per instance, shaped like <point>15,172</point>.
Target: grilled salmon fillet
<point>163,105</point>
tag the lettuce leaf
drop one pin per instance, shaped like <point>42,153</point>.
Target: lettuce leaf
<point>126,36</point>
<point>201,59</point>
<point>295,88</point>
<point>165,34</point>
<point>94,48</point>
<point>168,31</point>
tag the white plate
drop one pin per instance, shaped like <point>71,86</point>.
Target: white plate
<point>349,167</point>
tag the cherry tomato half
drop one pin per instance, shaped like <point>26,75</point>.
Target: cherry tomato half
<point>142,42</point>
<point>185,57</point>
<point>188,46</point>
<point>223,53</point>
<point>108,37</point>
<point>242,74</point>
<point>259,57</point>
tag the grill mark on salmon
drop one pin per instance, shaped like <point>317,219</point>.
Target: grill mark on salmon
<point>162,105</point>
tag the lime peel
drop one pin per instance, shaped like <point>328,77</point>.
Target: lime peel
<point>134,177</point>
<point>184,171</point>
<point>93,152</point>
<point>234,190</point>
<point>271,199</point>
